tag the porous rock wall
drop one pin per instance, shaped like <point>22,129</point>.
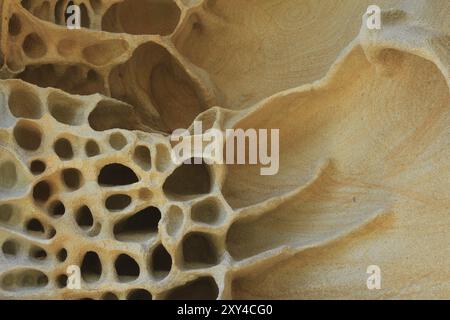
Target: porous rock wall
<point>86,177</point>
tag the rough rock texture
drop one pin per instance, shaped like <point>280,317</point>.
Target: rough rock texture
<point>86,178</point>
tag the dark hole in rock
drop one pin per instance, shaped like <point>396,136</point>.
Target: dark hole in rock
<point>91,267</point>
<point>127,268</point>
<point>84,217</point>
<point>116,174</point>
<point>57,209</point>
<point>117,202</point>
<point>63,148</point>
<point>161,262</point>
<point>139,226</point>
<point>188,180</point>
<point>34,225</point>
<point>37,167</point>
<point>72,178</point>
<point>199,250</point>
<point>41,191</point>
<point>139,294</point>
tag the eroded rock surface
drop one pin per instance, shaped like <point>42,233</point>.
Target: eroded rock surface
<point>86,176</point>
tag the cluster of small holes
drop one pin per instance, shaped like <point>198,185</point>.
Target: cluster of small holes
<point>130,210</point>
<point>198,250</point>
<point>135,219</point>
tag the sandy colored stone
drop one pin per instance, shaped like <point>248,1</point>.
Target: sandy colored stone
<point>86,177</point>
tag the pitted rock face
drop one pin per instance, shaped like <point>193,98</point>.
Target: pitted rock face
<point>87,178</point>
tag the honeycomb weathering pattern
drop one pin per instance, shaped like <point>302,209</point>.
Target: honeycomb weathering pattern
<point>86,177</point>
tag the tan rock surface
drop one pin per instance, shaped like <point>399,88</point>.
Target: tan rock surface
<point>86,177</point>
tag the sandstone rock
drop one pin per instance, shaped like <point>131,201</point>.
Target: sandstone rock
<point>87,180</point>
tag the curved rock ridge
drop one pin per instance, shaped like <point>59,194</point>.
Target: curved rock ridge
<point>88,184</point>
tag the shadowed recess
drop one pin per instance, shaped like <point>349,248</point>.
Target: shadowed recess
<point>91,267</point>
<point>24,103</point>
<point>139,294</point>
<point>8,175</point>
<point>33,46</point>
<point>199,250</point>
<point>8,214</point>
<point>14,25</point>
<point>110,114</point>
<point>72,178</point>
<point>165,95</point>
<point>74,79</point>
<point>92,148</point>
<point>127,268</point>
<point>116,174</point>
<point>61,255</point>
<point>161,262</point>
<point>117,202</point>
<point>23,279</point>
<point>28,136</point>
<point>104,51</point>
<point>139,226</point>
<point>84,218</point>
<point>37,167</point>
<point>10,248</point>
<point>42,191</point>
<point>117,141</point>
<point>188,180</point>
<point>174,220</point>
<point>142,157</point>
<point>142,17</point>
<point>208,211</point>
<point>35,226</point>
<point>57,209</point>
<point>63,149</point>
<point>37,253</point>
<point>109,296</point>
<point>204,288</point>
<point>65,109</point>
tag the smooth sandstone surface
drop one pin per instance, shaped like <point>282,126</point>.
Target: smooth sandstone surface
<point>86,177</point>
